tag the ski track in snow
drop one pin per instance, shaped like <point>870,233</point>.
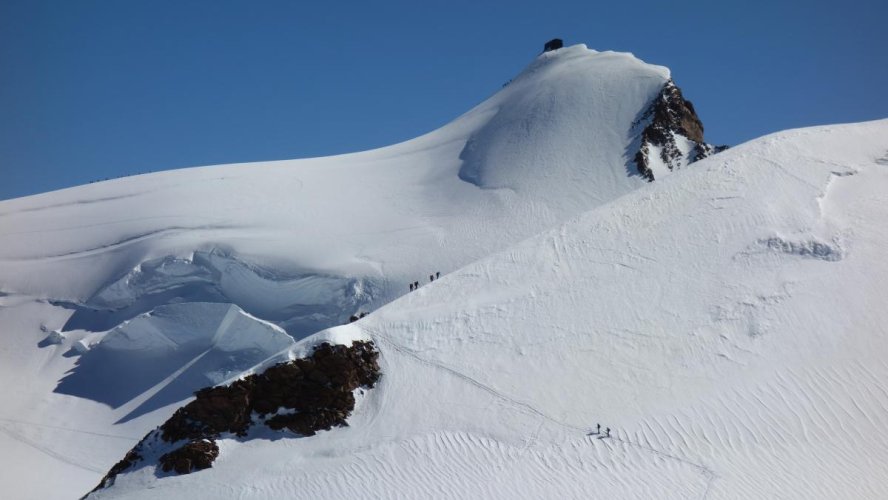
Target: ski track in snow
<point>130,240</point>
<point>116,222</point>
<point>523,407</point>
<point>69,429</point>
<point>71,204</point>
<point>46,450</point>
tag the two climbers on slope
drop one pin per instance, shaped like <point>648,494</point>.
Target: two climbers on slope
<point>597,432</point>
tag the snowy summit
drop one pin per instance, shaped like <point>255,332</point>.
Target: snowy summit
<point>565,292</point>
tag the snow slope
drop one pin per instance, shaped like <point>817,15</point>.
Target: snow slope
<point>550,145</point>
<point>725,323</point>
<point>200,344</point>
<point>300,244</point>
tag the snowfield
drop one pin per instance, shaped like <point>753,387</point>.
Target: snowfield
<point>725,322</point>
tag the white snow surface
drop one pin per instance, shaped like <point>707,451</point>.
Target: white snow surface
<point>725,322</point>
<point>159,358</point>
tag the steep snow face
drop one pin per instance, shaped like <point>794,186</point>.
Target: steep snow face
<point>725,324</point>
<point>299,244</point>
<point>547,137</point>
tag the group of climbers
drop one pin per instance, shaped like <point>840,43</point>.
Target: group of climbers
<point>355,317</point>
<point>432,277</point>
<point>413,286</point>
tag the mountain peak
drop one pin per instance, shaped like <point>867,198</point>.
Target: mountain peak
<point>565,124</point>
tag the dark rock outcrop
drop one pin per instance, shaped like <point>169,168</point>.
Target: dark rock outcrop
<point>553,44</point>
<point>303,396</point>
<point>196,455</point>
<point>668,118</point>
<point>131,458</point>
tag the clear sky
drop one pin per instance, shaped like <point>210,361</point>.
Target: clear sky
<point>93,89</point>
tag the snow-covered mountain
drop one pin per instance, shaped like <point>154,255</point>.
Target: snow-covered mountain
<point>723,321</point>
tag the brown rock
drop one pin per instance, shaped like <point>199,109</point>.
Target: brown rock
<point>317,390</point>
<point>196,455</point>
<point>670,113</point>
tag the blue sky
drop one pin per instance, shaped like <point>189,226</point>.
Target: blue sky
<point>94,89</point>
